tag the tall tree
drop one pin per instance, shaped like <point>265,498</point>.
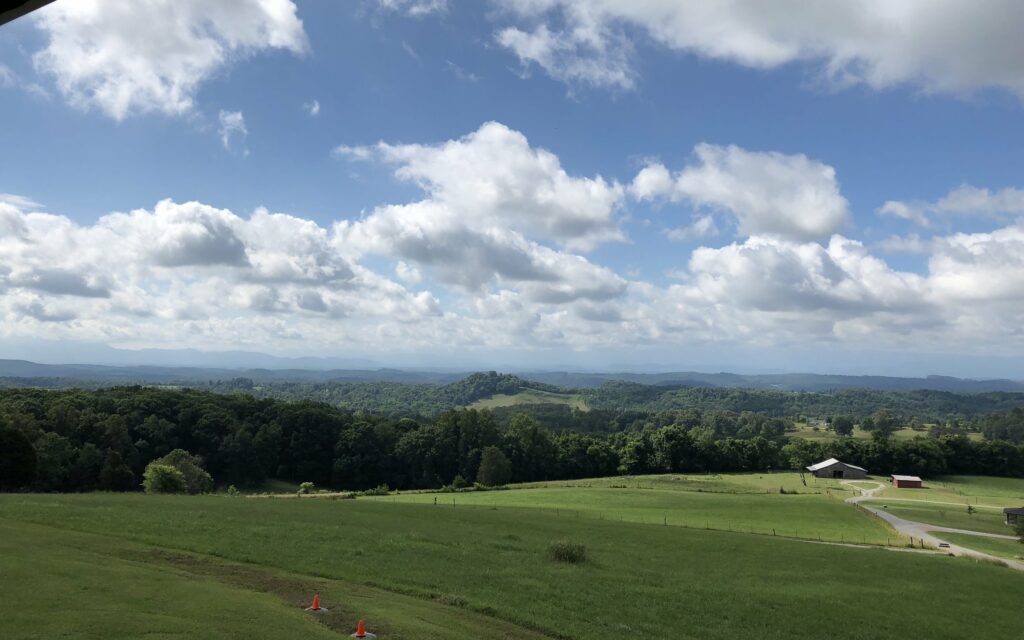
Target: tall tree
<point>17,460</point>
<point>495,468</point>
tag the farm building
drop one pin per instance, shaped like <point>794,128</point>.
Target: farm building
<point>833,468</point>
<point>1013,515</point>
<point>906,482</point>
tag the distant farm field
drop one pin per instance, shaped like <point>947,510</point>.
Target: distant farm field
<point>420,571</point>
<point>530,396</point>
<point>822,432</point>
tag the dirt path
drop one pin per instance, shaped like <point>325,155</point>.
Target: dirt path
<point>920,532</point>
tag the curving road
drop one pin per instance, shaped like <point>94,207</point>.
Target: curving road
<point>919,531</point>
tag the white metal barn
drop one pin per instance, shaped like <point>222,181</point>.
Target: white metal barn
<point>833,468</point>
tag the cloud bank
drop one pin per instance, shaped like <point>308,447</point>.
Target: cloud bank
<point>498,252</point>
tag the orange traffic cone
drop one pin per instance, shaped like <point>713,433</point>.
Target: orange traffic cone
<point>316,604</point>
<point>361,632</point>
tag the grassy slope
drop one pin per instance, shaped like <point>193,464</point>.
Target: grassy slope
<point>732,502</point>
<point>106,587</point>
<point>975,490</point>
<point>1002,548</point>
<point>943,515</point>
<point>55,583</point>
<point>943,502</point>
<point>530,396</point>
<point>650,581</point>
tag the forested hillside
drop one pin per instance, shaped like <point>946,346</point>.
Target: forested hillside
<point>104,439</point>
<point>926,405</point>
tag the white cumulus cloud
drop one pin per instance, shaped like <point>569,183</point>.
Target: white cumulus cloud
<point>965,200</point>
<point>127,58</point>
<point>768,193</point>
<point>938,45</point>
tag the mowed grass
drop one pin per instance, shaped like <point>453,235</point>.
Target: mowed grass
<point>638,580</point>
<point>761,482</point>
<point>531,396</point>
<point>750,503</point>
<point>55,585</point>
<point>1011,549</point>
<point>974,490</point>
<point>984,519</point>
<point>943,502</point>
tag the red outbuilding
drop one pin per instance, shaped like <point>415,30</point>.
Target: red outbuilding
<point>906,482</point>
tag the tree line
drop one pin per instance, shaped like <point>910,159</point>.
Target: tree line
<point>73,440</point>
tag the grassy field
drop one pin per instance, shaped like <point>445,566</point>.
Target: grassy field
<point>59,584</point>
<point>531,396</point>
<point>804,430</point>
<point>974,490</point>
<point>943,502</point>
<point>377,560</point>
<point>711,482</point>
<point>106,587</point>
<point>1003,548</point>
<point>984,519</point>
<point>749,503</point>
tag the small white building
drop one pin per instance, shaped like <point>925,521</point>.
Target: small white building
<point>833,468</point>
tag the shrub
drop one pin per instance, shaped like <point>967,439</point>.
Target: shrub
<point>197,480</point>
<point>459,482</point>
<point>306,487</point>
<point>381,490</point>
<point>163,478</point>
<point>565,551</point>
<point>232,490</point>
<point>483,487</point>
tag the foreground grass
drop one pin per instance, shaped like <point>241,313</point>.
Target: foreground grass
<point>55,585</point>
<point>638,580</point>
<point>1011,549</point>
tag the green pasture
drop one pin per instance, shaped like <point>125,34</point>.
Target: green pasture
<point>425,571</point>
<point>750,503</point>
<point>761,482</point>
<point>530,396</point>
<point>987,519</point>
<point>1011,549</point>
<point>59,584</point>
<point>807,431</point>
<point>974,490</point>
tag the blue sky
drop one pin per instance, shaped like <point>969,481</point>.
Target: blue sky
<point>534,183</point>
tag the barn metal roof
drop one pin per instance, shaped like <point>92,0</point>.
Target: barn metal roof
<point>911,478</point>
<point>832,461</point>
<point>1017,511</point>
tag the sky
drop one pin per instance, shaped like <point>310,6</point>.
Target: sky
<point>826,186</point>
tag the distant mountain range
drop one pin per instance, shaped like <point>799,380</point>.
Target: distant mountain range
<point>23,371</point>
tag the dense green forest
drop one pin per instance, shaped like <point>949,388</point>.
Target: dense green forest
<point>617,396</point>
<point>77,440</point>
<point>613,402</point>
